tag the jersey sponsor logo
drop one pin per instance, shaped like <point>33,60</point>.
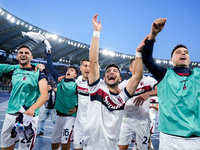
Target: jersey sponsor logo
<point>104,98</point>
<point>82,91</point>
<point>143,89</point>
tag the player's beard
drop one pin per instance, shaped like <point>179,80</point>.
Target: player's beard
<point>112,85</point>
<point>24,63</point>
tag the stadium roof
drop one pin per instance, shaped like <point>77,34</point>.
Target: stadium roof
<point>64,50</point>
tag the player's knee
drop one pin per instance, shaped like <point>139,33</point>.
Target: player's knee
<point>55,146</point>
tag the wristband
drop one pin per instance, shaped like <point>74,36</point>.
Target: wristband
<point>138,54</point>
<point>96,34</point>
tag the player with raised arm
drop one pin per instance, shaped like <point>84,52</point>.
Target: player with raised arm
<point>135,123</point>
<point>105,109</point>
<point>65,106</point>
<point>178,94</point>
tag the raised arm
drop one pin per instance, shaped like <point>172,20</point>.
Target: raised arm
<point>157,71</point>
<point>157,27</point>
<point>51,68</point>
<point>138,69</point>
<point>94,50</point>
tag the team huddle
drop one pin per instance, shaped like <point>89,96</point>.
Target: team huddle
<point>104,114</point>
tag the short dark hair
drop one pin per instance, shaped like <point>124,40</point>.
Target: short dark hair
<point>75,68</point>
<point>178,46</point>
<point>84,59</point>
<point>131,60</point>
<point>23,46</point>
<point>112,65</point>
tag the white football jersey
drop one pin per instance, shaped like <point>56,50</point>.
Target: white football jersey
<point>105,112</point>
<point>138,114</point>
<point>83,99</point>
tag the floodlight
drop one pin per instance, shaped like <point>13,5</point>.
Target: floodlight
<point>13,19</point>
<point>164,61</point>
<point>111,53</point>
<point>54,37</point>
<point>158,61</point>
<point>8,16</point>
<point>123,56</point>
<point>105,52</point>
<point>30,27</point>
<point>47,35</point>
<point>2,13</point>
<point>60,40</point>
<point>18,22</point>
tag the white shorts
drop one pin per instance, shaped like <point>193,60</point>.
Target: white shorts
<point>63,130</point>
<point>170,142</point>
<point>152,123</point>
<point>139,132</point>
<point>6,139</point>
<point>78,134</point>
<point>153,114</point>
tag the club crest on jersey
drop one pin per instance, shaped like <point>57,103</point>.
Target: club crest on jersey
<point>24,78</point>
<point>142,83</point>
<point>184,87</point>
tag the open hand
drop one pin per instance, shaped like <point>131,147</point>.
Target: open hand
<point>141,45</point>
<point>96,25</point>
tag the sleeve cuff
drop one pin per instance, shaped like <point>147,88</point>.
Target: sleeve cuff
<point>125,90</point>
<point>96,82</point>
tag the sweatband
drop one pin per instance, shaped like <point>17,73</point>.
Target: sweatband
<point>138,54</point>
<point>96,34</point>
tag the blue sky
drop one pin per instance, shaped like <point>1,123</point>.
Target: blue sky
<point>124,23</point>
